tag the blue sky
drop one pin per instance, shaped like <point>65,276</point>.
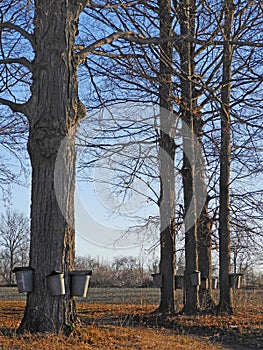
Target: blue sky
<point>96,229</point>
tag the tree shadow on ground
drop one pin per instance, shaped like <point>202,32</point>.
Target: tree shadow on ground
<point>230,336</point>
<point>7,332</point>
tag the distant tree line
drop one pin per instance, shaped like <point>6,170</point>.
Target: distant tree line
<point>131,272</point>
<point>121,271</point>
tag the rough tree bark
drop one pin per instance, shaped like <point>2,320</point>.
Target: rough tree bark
<point>226,293</point>
<point>204,227</point>
<point>188,172</point>
<point>204,221</point>
<point>54,112</point>
<point>166,160</point>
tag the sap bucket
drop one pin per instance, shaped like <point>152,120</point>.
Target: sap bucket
<point>179,282</point>
<point>80,282</point>
<point>195,278</point>
<point>157,280</point>
<point>214,282</point>
<point>235,280</point>
<point>204,283</point>
<point>24,278</point>
<point>56,283</point>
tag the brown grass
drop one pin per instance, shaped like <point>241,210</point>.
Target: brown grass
<point>109,326</point>
<point>94,336</point>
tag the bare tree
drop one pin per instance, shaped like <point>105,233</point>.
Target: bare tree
<point>166,159</point>
<point>187,27</point>
<point>198,79</point>
<point>224,209</point>
<point>14,239</point>
<point>51,235</point>
<point>47,72</point>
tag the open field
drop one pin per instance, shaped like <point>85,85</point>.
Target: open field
<point>121,319</point>
<point>100,295</point>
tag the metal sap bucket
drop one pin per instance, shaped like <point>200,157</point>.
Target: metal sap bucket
<point>179,282</point>
<point>204,283</point>
<point>157,280</point>
<point>80,282</point>
<point>56,283</point>
<point>235,280</point>
<point>214,283</point>
<point>195,278</point>
<point>24,278</point>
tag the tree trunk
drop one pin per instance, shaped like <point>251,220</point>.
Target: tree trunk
<point>225,304</point>
<point>166,160</point>
<point>188,171</point>
<point>54,115</point>
<point>204,226</point>
<point>11,274</point>
<point>167,223</point>
<point>204,221</point>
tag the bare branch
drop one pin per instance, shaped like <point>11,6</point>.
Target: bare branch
<point>107,40</point>
<point>137,38</point>
<point>21,60</point>
<point>20,30</point>
<point>92,4</point>
<point>187,38</point>
<point>16,107</point>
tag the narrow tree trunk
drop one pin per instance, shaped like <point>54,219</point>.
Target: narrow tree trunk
<point>166,159</point>
<point>55,112</point>
<point>11,279</point>
<point>167,223</point>
<point>225,304</point>
<point>204,221</point>
<point>204,226</point>
<point>188,171</point>
<point>191,258</point>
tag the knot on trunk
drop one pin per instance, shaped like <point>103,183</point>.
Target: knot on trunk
<point>45,143</point>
